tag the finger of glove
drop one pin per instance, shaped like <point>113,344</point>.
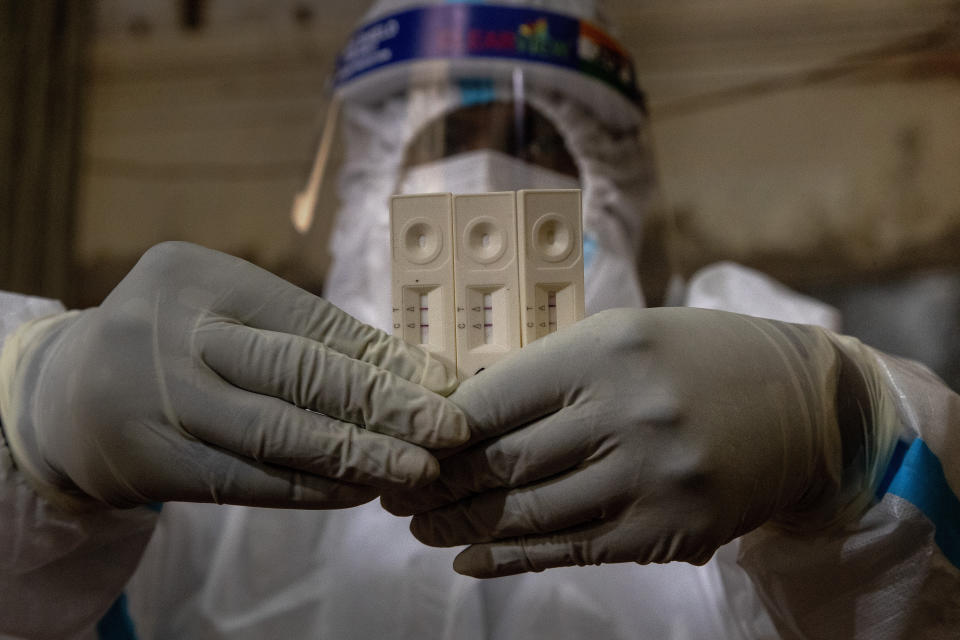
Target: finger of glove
<point>539,450</point>
<point>270,430</point>
<point>517,390</point>
<point>553,505</point>
<point>311,375</point>
<point>260,299</point>
<point>590,544</point>
<point>211,475</point>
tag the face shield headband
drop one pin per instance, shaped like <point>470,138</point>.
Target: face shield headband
<point>478,40</point>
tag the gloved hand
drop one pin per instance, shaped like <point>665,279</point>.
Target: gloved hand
<point>204,378</point>
<point>655,435</point>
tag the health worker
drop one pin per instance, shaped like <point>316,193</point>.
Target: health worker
<point>805,483</point>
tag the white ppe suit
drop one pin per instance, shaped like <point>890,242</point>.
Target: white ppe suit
<point>213,571</point>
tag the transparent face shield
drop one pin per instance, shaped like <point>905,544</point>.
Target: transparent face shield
<point>494,146</point>
<point>524,99</point>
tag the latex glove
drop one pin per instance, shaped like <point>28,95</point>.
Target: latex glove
<point>204,378</point>
<point>655,435</point>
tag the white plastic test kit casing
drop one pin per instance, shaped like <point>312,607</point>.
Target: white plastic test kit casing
<point>549,229</point>
<point>486,279</point>
<point>476,276</point>
<point>423,295</point>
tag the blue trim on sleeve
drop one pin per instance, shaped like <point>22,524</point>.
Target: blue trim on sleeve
<point>896,460</point>
<point>116,623</point>
<point>920,480</point>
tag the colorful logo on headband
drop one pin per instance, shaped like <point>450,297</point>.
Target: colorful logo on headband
<point>534,39</point>
<point>536,29</point>
<point>531,39</point>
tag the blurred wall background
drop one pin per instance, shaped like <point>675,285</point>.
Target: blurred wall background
<point>201,123</point>
<point>816,140</point>
<point>43,48</point>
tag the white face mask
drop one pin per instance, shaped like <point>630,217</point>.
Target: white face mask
<point>480,172</point>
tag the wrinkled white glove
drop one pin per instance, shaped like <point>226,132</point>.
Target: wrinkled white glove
<point>204,378</point>
<point>656,435</point>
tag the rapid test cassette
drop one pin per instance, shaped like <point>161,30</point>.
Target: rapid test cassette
<point>485,278</point>
<point>476,276</point>
<point>422,247</point>
<point>550,232</point>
